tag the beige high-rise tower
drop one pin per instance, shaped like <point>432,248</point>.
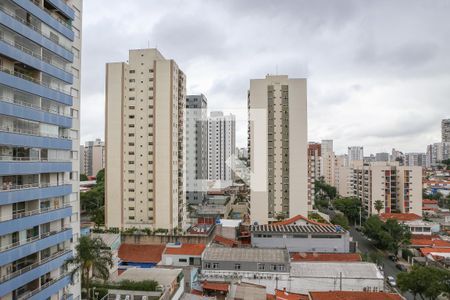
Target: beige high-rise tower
<point>278,148</point>
<point>145,112</point>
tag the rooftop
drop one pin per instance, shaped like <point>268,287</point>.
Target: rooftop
<point>400,216</point>
<point>283,295</point>
<point>224,241</point>
<point>334,269</point>
<point>185,249</point>
<point>347,295</point>
<point>426,251</point>
<point>263,255</point>
<point>297,218</point>
<point>429,201</point>
<point>163,276</point>
<point>309,256</point>
<point>141,253</point>
<point>216,286</point>
<point>298,228</point>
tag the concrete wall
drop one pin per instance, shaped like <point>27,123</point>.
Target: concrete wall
<point>304,244</point>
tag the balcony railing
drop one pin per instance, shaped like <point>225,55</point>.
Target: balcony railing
<point>24,214</point>
<point>34,54</point>
<point>7,187</point>
<point>31,239</point>
<point>34,106</point>
<point>27,295</point>
<point>31,132</point>
<point>32,159</point>
<point>34,80</point>
<point>60,20</point>
<point>33,265</point>
<point>28,24</point>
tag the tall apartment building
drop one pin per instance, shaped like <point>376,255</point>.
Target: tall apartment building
<point>196,148</point>
<point>355,153</point>
<point>328,157</point>
<point>445,130</point>
<point>436,153</point>
<point>399,187</point>
<point>278,148</point>
<point>93,157</point>
<point>382,156</point>
<point>40,46</point>
<point>145,121</point>
<point>221,146</point>
<point>415,159</point>
<point>314,170</point>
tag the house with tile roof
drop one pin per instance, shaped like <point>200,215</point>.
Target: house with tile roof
<point>182,255</point>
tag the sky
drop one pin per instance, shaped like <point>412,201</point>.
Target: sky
<point>378,72</point>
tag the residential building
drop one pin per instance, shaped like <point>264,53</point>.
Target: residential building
<point>196,148</point>
<point>399,187</point>
<point>221,146</point>
<point>355,153</point>
<point>382,156</point>
<point>328,157</point>
<point>301,238</point>
<point>40,55</point>
<point>93,156</point>
<point>342,173</point>
<point>437,152</point>
<point>414,222</point>
<point>445,130</point>
<point>145,175</point>
<point>278,148</point>
<point>183,255</point>
<point>397,155</point>
<point>415,159</point>
<point>314,170</point>
<point>82,155</point>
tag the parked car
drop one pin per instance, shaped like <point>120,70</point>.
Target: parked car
<point>401,267</point>
<point>391,281</point>
<point>393,257</point>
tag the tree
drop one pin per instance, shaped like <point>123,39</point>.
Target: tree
<point>92,257</point>
<point>100,177</point>
<point>98,217</point>
<point>390,235</point>
<point>340,219</point>
<point>83,177</point>
<point>428,282</point>
<point>280,216</point>
<point>349,206</point>
<point>379,205</point>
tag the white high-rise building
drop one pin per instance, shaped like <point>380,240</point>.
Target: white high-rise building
<point>445,130</point>
<point>145,124</point>
<point>415,159</point>
<point>436,153</point>
<point>93,155</point>
<point>355,153</point>
<point>328,157</point>
<point>221,146</point>
<point>278,148</point>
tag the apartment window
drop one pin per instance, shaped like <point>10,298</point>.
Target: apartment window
<point>131,162</point>
<point>131,107</point>
<point>261,267</point>
<point>131,218</point>
<point>208,266</point>
<point>130,181</point>
<point>130,171</point>
<point>130,208</point>
<point>131,80</point>
<point>131,126</point>
<point>131,190</point>
<point>183,260</point>
<point>131,116</point>
<point>131,98</point>
<point>74,113</point>
<point>237,266</point>
<point>132,71</point>
<point>131,134</point>
<point>131,89</point>
<point>215,265</point>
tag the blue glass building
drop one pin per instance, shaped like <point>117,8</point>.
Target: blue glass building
<point>40,43</point>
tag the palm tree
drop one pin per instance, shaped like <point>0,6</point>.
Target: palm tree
<point>378,205</point>
<point>92,257</point>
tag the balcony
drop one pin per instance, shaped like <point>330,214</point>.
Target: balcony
<point>36,113</point>
<point>31,167</point>
<point>16,23</point>
<point>14,280</point>
<point>20,249</point>
<point>18,193</point>
<point>48,289</point>
<point>9,48</point>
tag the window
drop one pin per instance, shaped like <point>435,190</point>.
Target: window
<point>261,267</point>
<point>215,265</point>
<point>130,199</point>
<point>132,71</point>
<point>208,266</point>
<point>131,218</point>
<point>237,266</point>
<point>131,80</point>
<point>130,208</point>
<point>183,260</point>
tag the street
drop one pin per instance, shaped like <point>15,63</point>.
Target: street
<point>366,246</point>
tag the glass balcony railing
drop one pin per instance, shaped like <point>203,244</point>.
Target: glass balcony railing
<point>33,266</point>
<point>32,159</point>
<point>31,240</point>
<point>30,294</point>
<point>7,187</point>
<point>64,90</point>
<point>24,214</point>
<point>34,106</point>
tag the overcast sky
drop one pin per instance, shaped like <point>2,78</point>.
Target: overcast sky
<point>378,71</point>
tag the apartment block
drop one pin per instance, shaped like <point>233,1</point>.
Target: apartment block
<point>415,159</point>
<point>445,130</point>
<point>196,148</point>
<point>355,153</point>
<point>40,49</point>
<point>436,153</point>
<point>382,156</point>
<point>399,187</point>
<point>314,170</point>
<point>93,155</point>
<point>328,157</point>
<point>278,148</point>
<point>145,140</point>
<point>221,146</point>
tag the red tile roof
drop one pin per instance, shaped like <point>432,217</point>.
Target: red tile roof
<point>426,251</point>
<point>141,253</point>
<point>186,249</point>
<point>429,201</point>
<point>300,256</point>
<point>216,286</point>
<point>400,216</point>
<point>298,218</point>
<point>224,241</point>
<point>338,295</point>
<point>283,295</point>
<point>431,243</point>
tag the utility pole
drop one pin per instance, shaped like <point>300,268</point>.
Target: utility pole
<point>340,281</point>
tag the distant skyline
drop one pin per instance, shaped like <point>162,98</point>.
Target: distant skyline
<point>377,70</point>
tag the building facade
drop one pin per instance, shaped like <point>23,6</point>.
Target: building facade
<point>445,130</point>
<point>40,52</point>
<point>314,170</point>
<point>436,153</point>
<point>415,159</point>
<point>196,148</point>
<point>145,121</point>
<point>328,157</point>
<point>382,156</point>
<point>93,155</point>
<point>355,153</point>
<point>278,148</point>
<point>221,146</point>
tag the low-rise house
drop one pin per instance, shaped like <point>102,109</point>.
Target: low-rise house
<point>413,221</point>
<point>430,206</point>
<point>140,256</point>
<point>301,238</point>
<point>221,241</point>
<point>182,255</point>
